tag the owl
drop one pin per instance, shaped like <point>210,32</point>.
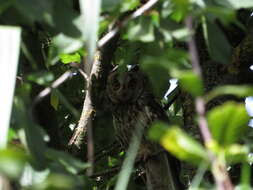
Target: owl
<point>133,105</point>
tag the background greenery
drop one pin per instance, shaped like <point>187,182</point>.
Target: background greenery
<point>55,40</point>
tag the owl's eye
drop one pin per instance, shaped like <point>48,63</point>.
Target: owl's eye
<point>116,84</point>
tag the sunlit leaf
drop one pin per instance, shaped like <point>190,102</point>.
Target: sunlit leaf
<point>66,44</point>
<point>236,153</point>
<point>68,58</point>
<point>183,146</point>
<point>128,5</point>
<point>157,131</point>
<point>181,8</point>
<point>235,3</point>
<point>228,122</point>
<point>142,30</point>
<point>12,162</point>
<point>237,90</point>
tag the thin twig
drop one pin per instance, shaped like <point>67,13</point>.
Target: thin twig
<point>55,84</point>
<point>219,169</point>
<point>85,76</point>
<point>199,103</point>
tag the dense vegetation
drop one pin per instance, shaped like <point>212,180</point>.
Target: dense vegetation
<point>61,133</point>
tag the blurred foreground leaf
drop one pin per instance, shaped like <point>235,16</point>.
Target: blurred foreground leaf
<point>228,122</point>
<point>190,82</point>
<point>70,164</point>
<point>181,145</point>
<point>235,4</point>
<point>33,133</point>
<point>236,153</point>
<point>41,78</point>
<point>218,45</point>
<point>12,162</point>
<point>237,90</point>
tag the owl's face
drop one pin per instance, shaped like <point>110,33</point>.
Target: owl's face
<point>125,87</point>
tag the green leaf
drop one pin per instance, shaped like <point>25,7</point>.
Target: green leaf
<point>33,133</point>
<point>235,4</point>
<point>180,9</point>
<point>243,187</point>
<point>158,76</point>
<point>35,10</point>
<point>129,5</point>
<point>237,90</point>
<point>62,44</point>
<point>71,164</point>
<point>5,4</point>
<point>65,18</point>
<point>66,44</point>
<point>228,122</point>
<point>12,134</point>
<point>141,30</point>
<point>69,58</point>
<point>41,78</point>
<point>190,81</point>
<point>224,14</point>
<point>54,100</point>
<point>12,162</point>
<point>157,130</point>
<point>183,146</point>
<point>218,45</point>
<point>110,5</point>
<point>236,153</point>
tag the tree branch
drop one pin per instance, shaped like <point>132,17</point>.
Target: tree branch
<point>81,129</point>
<point>219,169</point>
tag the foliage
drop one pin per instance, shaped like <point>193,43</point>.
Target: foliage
<point>58,35</point>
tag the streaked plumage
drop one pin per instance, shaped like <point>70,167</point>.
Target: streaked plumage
<point>132,103</point>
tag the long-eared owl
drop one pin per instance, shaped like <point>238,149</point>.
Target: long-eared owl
<point>132,102</point>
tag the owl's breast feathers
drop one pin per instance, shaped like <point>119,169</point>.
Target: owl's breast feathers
<point>139,114</point>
